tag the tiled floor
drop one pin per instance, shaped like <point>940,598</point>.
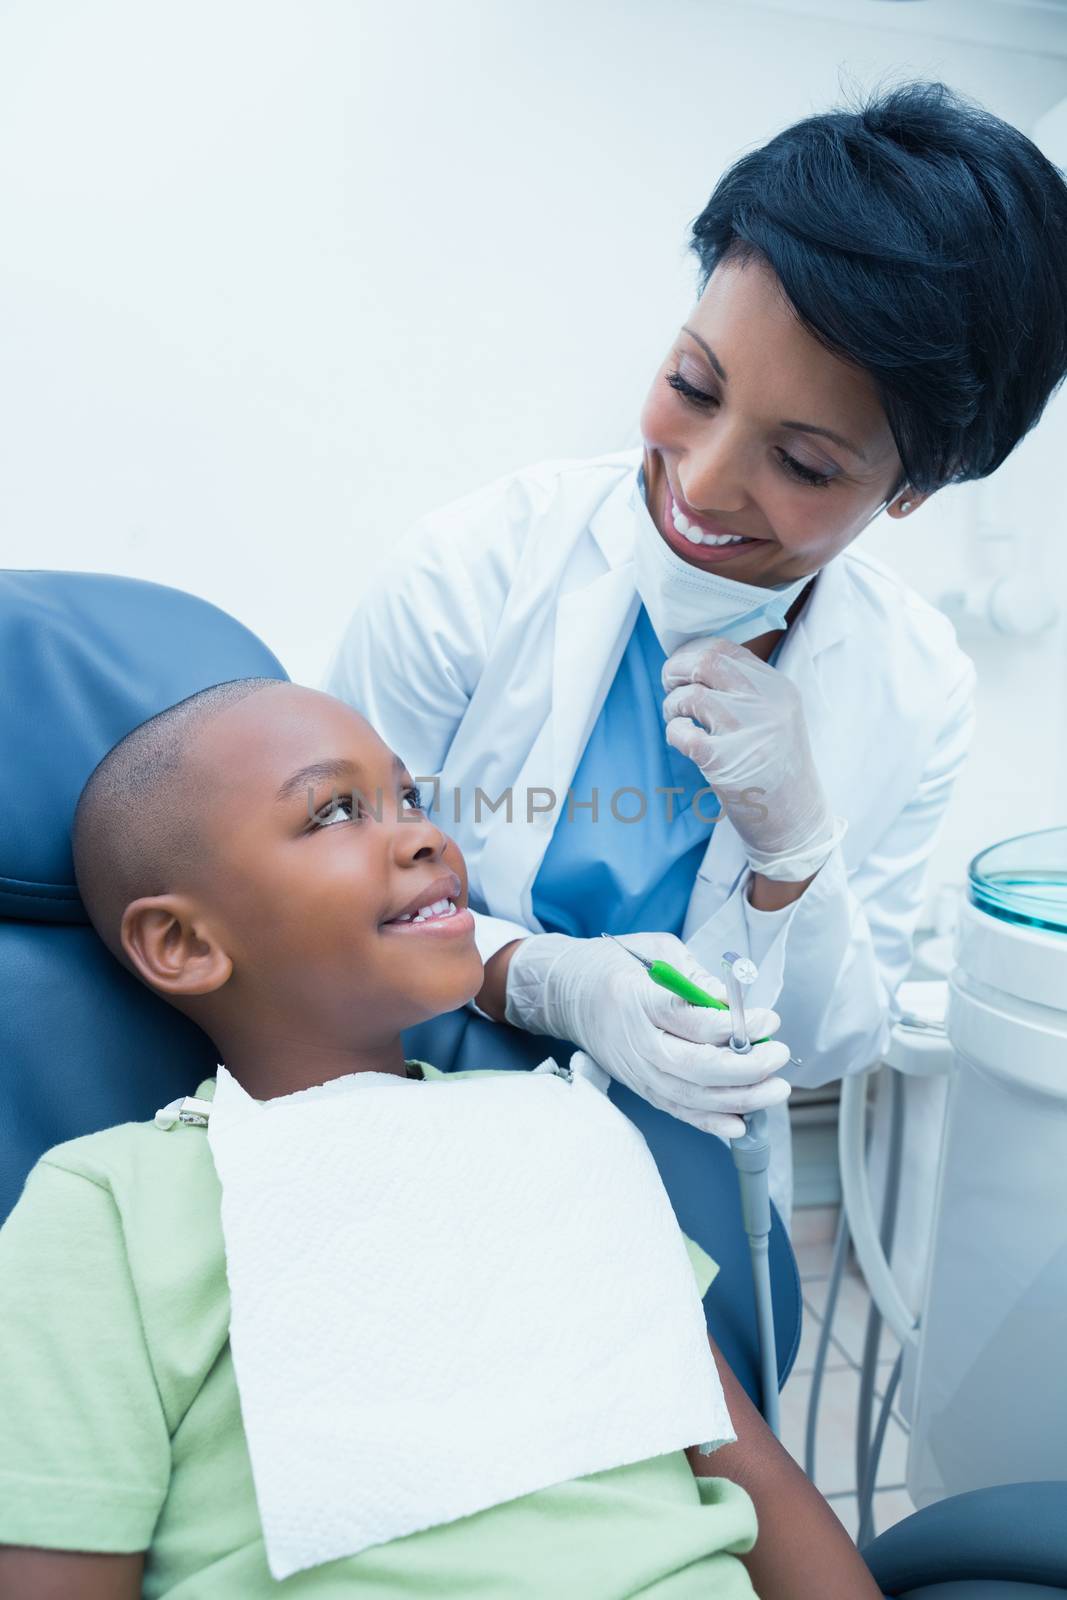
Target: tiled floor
<point>835,1441</point>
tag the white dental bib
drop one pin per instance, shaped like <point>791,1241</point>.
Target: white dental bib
<point>448,1295</point>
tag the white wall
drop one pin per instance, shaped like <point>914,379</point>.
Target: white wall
<point>276,278</point>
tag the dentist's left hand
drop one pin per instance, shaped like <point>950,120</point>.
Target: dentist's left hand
<point>742,722</point>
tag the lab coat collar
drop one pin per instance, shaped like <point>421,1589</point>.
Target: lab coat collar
<point>826,617</point>
<point>615,522</point>
<point>594,619</point>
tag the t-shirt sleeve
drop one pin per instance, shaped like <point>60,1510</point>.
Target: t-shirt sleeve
<point>84,1445</point>
<point>705,1269</point>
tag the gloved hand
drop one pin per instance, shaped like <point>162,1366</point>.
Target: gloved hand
<point>674,1055</point>
<point>742,722</point>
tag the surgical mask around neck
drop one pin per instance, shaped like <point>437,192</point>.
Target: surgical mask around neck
<point>686,602</point>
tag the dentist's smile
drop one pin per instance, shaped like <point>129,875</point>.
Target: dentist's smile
<point>699,539</point>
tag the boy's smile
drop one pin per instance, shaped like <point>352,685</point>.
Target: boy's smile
<point>435,909</point>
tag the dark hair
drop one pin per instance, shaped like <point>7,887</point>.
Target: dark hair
<point>925,240</point>
<point>137,824</point>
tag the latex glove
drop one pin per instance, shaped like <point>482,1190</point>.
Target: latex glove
<point>742,722</point>
<point>674,1055</point>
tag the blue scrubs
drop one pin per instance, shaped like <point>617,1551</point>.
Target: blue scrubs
<point>617,876</point>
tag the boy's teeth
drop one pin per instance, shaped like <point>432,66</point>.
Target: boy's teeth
<point>439,908</point>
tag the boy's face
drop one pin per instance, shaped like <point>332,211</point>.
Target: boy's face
<point>302,882</point>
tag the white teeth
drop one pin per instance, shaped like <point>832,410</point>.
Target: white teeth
<point>439,908</point>
<point>695,535</point>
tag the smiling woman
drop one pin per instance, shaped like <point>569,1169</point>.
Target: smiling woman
<point>734,481</point>
<point>881,310</point>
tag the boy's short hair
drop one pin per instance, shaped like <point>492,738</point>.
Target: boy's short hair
<point>137,823</point>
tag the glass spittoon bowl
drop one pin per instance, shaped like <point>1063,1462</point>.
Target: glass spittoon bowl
<point>1024,880</point>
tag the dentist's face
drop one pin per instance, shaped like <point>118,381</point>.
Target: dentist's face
<point>739,430</point>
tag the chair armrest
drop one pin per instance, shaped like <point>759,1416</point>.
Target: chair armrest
<point>1014,1531</point>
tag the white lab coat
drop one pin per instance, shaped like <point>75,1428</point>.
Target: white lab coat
<point>483,653</point>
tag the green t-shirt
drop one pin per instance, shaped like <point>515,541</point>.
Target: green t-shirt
<point>120,1424</point>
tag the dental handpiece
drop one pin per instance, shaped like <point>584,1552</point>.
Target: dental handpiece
<point>751,1151</point>
<point>738,974</point>
<point>668,977</point>
<point>752,1155</point>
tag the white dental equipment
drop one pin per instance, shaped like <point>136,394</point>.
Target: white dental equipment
<point>984,1359</point>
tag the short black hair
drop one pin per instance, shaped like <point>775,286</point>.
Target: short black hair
<point>137,822</point>
<point>924,240</point>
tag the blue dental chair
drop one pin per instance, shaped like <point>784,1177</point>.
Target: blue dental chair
<point>87,657</point>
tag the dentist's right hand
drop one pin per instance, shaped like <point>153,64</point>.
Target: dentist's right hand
<point>674,1055</point>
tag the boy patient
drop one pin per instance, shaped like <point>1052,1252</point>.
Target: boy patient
<point>226,859</point>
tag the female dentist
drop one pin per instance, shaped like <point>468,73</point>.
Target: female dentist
<point>658,693</point>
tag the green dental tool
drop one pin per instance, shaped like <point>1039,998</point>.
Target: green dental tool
<point>669,977</point>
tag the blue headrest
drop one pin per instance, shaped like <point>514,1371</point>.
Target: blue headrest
<point>86,658</point>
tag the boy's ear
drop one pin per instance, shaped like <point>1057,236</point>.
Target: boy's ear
<point>172,948</point>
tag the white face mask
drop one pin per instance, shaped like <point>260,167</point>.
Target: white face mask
<point>686,602</point>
